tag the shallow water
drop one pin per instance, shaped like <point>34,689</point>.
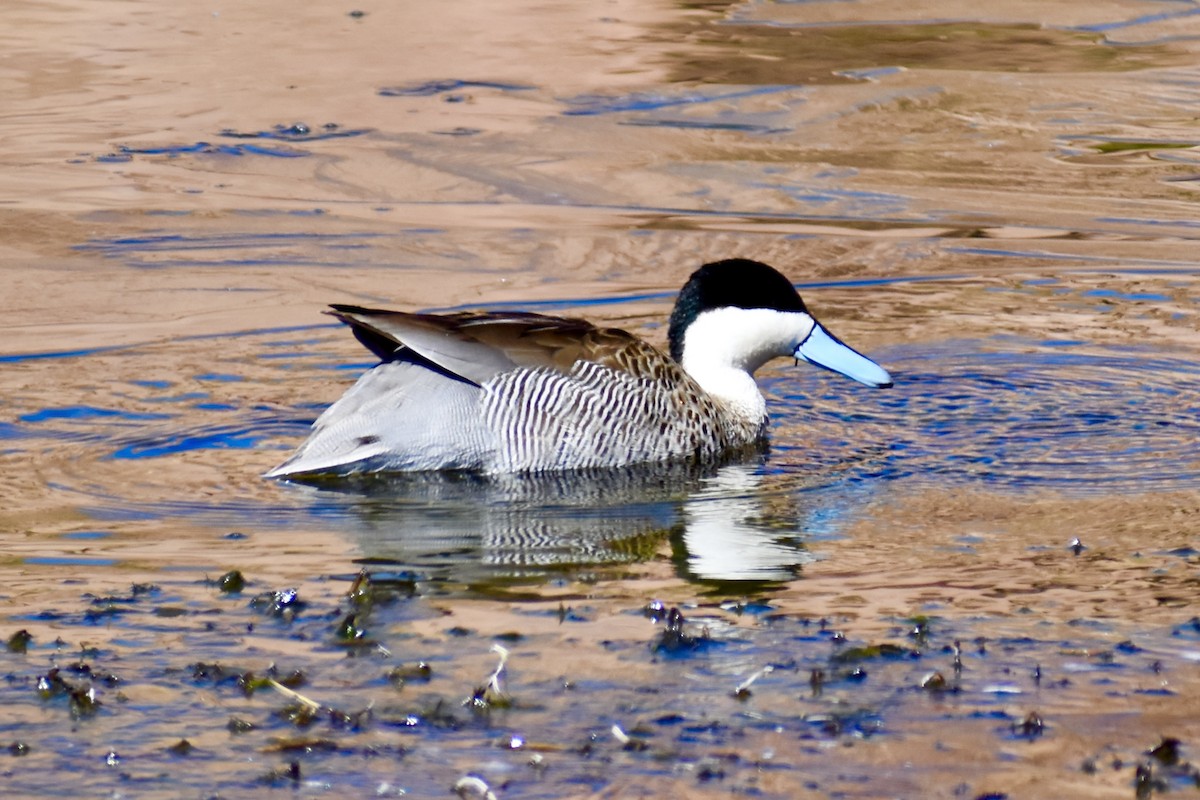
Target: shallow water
<point>979,583</point>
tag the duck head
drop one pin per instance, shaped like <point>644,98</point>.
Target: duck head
<point>733,316</point>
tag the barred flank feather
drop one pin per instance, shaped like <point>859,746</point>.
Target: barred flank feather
<point>595,416</point>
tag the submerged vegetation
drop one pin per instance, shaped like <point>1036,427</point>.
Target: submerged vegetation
<point>351,678</point>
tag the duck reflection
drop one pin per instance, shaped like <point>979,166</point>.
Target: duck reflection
<point>719,524</point>
<point>737,528</point>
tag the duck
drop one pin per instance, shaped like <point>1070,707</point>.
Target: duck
<point>500,392</point>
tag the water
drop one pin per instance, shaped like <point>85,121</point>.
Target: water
<point>980,582</point>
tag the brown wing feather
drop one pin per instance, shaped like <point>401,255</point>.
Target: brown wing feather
<point>477,345</point>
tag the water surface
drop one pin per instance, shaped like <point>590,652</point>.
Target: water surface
<point>979,583</point>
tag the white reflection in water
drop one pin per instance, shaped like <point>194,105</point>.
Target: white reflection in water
<point>731,523</point>
<point>728,537</point>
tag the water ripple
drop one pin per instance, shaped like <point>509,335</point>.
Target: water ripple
<point>1024,417</point>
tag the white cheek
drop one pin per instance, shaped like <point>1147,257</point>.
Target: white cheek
<point>742,338</point>
<point>723,348</point>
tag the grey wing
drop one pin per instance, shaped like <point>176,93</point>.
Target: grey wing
<point>399,416</point>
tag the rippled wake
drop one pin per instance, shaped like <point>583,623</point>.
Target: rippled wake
<point>1008,414</point>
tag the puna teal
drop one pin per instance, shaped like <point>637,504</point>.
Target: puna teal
<point>500,392</point>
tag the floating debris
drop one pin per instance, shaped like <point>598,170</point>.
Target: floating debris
<point>284,775</point>
<point>438,715</point>
<point>304,745</point>
<point>1166,752</point>
<point>627,741</point>
<point>377,589</point>
<point>1031,727</point>
<point>919,629</point>
<point>237,725</point>
<point>934,682</point>
<point>283,604</point>
<point>709,769</point>
<point>299,715</point>
<point>304,711</point>
<point>742,692</point>
<point>1145,783</point>
<point>181,748</point>
<point>861,723</point>
<point>359,592</point>
<point>81,697</point>
<point>655,610</point>
<point>19,642</point>
<point>1112,144</point>
<point>410,673</point>
<point>473,786</point>
<point>1076,546</point>
<point>673,638</point>
<point>231,582</point>
<point>291,694</point>
<point>350,630</point>
<point>491,693</point>
<point>886,651</point>
<point>350,720</point>
<point>250,683</point>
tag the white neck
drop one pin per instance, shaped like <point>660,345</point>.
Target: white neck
<point>724,346</point>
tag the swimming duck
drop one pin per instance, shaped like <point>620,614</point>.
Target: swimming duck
<point>512,392</point>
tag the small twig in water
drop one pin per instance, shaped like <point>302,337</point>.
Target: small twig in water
<point>743,688</point>
<point>292,694</point>
<point>493,682</point>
